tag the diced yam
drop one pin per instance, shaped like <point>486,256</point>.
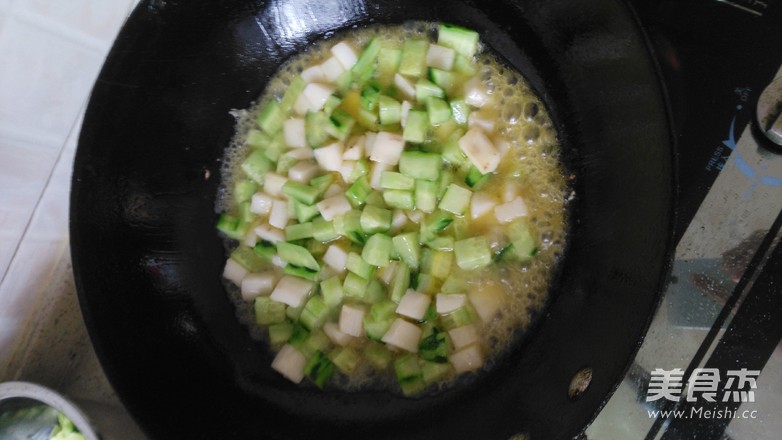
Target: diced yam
<point>330,157</point>
<point>413,304</point>
<point>332,69</point>
<point>293,131</point>
<point>234,272</point>
<point>301,105</point>
<point>405,86</point>
<point>351,320</point>
<point>266,232</point>
<point>480,150</point>
<point>386,274</point>
<point>303,171</point>
<point>406,107</point>
<point>250,239</point>
<point>483,119</point>
<point>333,206</point>
<point>279,215</point>
<point>398,220</point>
<point>346,169</point>
<point>440,57</point>
<point>467,359</point>
<point>376,173</point>
<point>273,183</point>
<point>338,337</point>
<point>463,336</point>
<point>355,149</point>
<point>387,148</point>
<point>343,52</point>
<point>313,74</point>
<point>480,204</point>
<point>336,258</point>
<point>290,363</point>
<point>475,93</point>
<point>415,216</point>
<point>507,212</point>
<point>300,153</point>
<point>403,334</point>
<point>334,190</point>
<point>369,142</point>
<point>316,95</point>
<point>447,303</point>
<point>509,191</point>
<point>261,203</point>
<point>292,290</point>
<point>256,284</point>
<point>486,301</point>
<point>278,261</point>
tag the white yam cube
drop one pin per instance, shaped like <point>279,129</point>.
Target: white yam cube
<point>480,150</point>
<point>316,95</point>
<point>405,86</point>
<point>270,234</point>
<point>509,191</point>
<point>387,148</point>
<point>332,69</point>
<point>463,336</point>
<point>250,238</point>
<point>398,220</point>
<point>483,119</point>
<point>234,272</point>
<point>486,301</point>
<point>279,214</point>
<point>292,291</point>
<point>413,304</point>
<point>332,330</point>
<point>346,169</point>
<point>440,57</point>
<point>261,203</point>
<point>467,359</point>
<point>376,173</point>
<point>303,171</point>
<point>313,74</point>
<point>403,334</point>
<point>343,52</point>
<point>278,261</point>
<point>256,284</point>
<point>415,216</point>
<point>369,142</point>
<point>386,274</point>
<point>333,206</point>
<point>447,303</point>
<point>330,157</point>
<point>480,204</point>
<point>302,105</point>
<point>336,258</point>
<point>355,149</point>
<point>406,107</point>
<point>475,93</point>
<point>301,153</point>
<point>507,212</point>
<point>334,189</point>
<point>272,184</point>
<point>351,320</point>
<point>293,132</point>
<point>290,363</point>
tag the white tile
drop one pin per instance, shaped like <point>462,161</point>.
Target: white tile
<point>98,19</point>
<point>29,271</point>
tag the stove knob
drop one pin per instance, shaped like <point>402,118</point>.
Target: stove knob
<point>769,112</point>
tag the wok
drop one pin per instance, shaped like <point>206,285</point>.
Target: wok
<point>147,260</point>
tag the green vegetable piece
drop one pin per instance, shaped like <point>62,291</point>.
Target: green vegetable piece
<point>408,249</point>
<point>315,313</point>
<point>316,127</point>
<point>377,354</point>
<point>369,97</point>
<point>297,255</point>
<point>271,117</point>
<point>285,163</point>
<point>524,245</point>
<point>300,192</point>
<point>441,243</point>
<point>460,111</point>
<point>452,153</point>
<point>268,311</point>
<point>374,219</point>
<point>265,249</point>
<point>359,191</point>
<point>409,375</point>
<point>361,168</point>
<point>332,102</point>
<point>355,286</point>
<point>425,89</point>
<point>438,110</point>
<point>248,259</point>
<point>400,282</point>
<point>416,127</point>
<point>244,190</point>
<point>302,211</point>
<point>454,284</point>
<point>379,319</point>
<point>358,266</point>
<point>440,264</point>
<point>420,165</point>
<point>377,250</point>
<point>298,231</point>
<point>345,358</point>
<point>394,180</point>
<point>389,110</point>
<point>462,40</point>
<point>460,317</point>
<point>323,230</point>
<point>472,253</point>
<point>433,372</point>
<point>388,64</point>
<point>258,139</point>
<point>426,195</point>
<point>364,68</point>
<point>426,283</point>
<point>349,225</point>
<point>340,124</point>
<point>229,225</point>
<point>332,292</point>
<point>256,166</point>
<point>464,66</point>
<point>456,199</point>
<point>413,58</point>
<point>301,272</point>
<point>475,179</point>
<point>396,198</point>
<point>280,332</point>
<point>319,369</point>
<point>322,183</point>
<point>300,335</point>
<point>433,346</point>
<point>292,94</point>
<point>443,79</point>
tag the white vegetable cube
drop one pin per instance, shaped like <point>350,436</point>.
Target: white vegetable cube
<point>333,206</point>
<point>413,304</point>
<point>338,337</point>
<point>256,284</point>
<point>336,258</point>
<point>316,95</point>
<point>334,190</point>
<point>440,57</point>
<point>376,173</point>
<point>250,238</point>
<point>483,119</point>
<point>386,274</point>
<point>405,86</point>
<point>456,199</point>
<point>332,69</point>
<point>447,303</point>
<point>303,171</point>
<point>290,363</point>
<point>507,212</point>
<point>273,183</point>
<point>387,148</point>
<point>302,105</point>
<point>279,214</point>
<point>403,334</point>
<point>467,359</point>
<point>346,169</point>
<point>292,290</point>
<point>313,74</point>
<point>343,52</point>
<point>369,142</point>
<point>486,301</point>
<point>480,150</point>
<point>415,216</point>
<point>351,320</point>
<point>329,157</point>
<point>406,107</point>
<point>261,203</point>
<point>293,132</point>
<point>301,153</point>
<point>480,204</point>
<point>463,336</point>
<point>270,234</point>
<point>475,93</point>
<point>355,149</point>
<point>278,261</point>
<point>234,272</point>
<point>509,191</point>
<point>398,220</point>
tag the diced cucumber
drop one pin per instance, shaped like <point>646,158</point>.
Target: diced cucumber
<point>413,58</point>
<point>297,255</point>
<point>425,89</point>
<point>441,243</point>
<point>301,272</point>
<point>443,79</point>
<point>345,359</point>
<point>359,191</point>
<point>454,284</point>
<point>438,110</point>
<point>456,199</point>
<point>464,66</point>
<point>340,124</point>
<point>319,369</point>
<point>280,332</point>
<point>361,168</point>
<point>316,125</point>
<point>472,253</point>
<point>304,212</point>
<point>474,178</point>
<point>358,266</point>
<point>400,283</point>
<point>416,127</point>
<point>370,96</point>
<point>388,64</point>
<point>375,198</point>
<point>315,313</point>
<point>439,263</point>
<point>462,40</point>
<point>408,248</point>
<point>248,259</point>
<point>433,372</point>
<point>375,292</point>
<point>298,231</point>
<point>379,319</point>
<point>323,230</point>
<point>399,199</point>
<point>374,219</point>
<point>244,190</point>
<point>420,165</point>
<point>433,346</point>
<point>322,183</point>
<point>377,354</point>
<point>426,195</point>
<point>426,283</point>
<point>292,93</point>
<point>300,192</point>
<point>354,286</point>
<point>265,250</point>
<point>394,180</point>
<point>349,225</point>
<point>268,311</point>
<point>377,250</point>
<point>364,68</point>
<point>524,246</point>
<point>229,225</point>
<point>460,317</point>
<point>409,375</point>
<point>271,117</point>
<point>332,292</point>
<point>331,105</point>
<point>389,110</point>
<point>256,166</point>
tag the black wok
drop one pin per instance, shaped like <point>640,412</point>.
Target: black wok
<point>148,262</point>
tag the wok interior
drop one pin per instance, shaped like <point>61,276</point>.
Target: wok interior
<point>147,173</point>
